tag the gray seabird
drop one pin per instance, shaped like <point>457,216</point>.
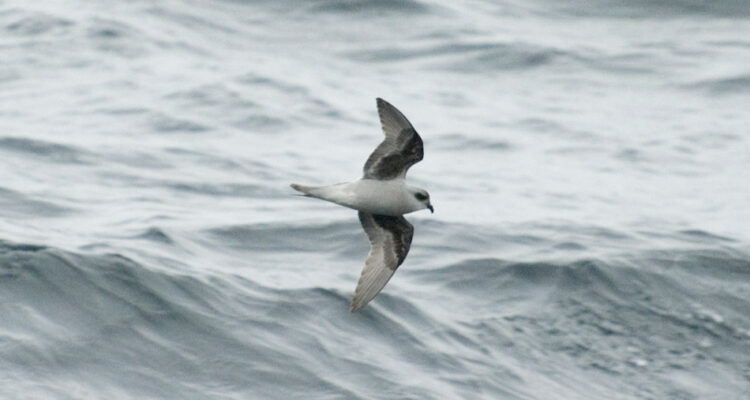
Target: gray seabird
<point>382,197</point>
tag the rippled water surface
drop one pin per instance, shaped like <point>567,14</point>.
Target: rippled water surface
<point>588,163</point>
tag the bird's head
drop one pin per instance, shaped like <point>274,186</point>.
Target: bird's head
<point>421,199</point>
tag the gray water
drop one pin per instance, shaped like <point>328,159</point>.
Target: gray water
<point>588,163</point>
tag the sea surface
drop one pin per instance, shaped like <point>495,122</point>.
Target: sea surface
<point>588,162</point>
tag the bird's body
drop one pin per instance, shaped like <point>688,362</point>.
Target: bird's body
<point>382,197</point>
<point>391,197</point>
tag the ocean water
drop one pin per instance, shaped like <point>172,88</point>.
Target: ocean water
<point>588,163</point>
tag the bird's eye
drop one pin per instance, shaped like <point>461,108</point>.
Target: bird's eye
<point>420,196</point>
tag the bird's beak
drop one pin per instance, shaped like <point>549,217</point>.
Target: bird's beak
<point>432,210</point>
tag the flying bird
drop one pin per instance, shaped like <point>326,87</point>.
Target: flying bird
<point>382,197</point>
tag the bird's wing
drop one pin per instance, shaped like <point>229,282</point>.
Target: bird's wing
<point>401,148</point>
<point>390,239</point>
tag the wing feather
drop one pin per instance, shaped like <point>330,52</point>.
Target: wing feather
<point>401,148</point>
<point>391,119</point>
<point>390,239</point>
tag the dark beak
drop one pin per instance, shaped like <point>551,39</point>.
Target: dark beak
<point>432,210</point>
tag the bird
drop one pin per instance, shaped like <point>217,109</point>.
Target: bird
<point>382,197</point>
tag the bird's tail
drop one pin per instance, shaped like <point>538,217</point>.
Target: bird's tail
<point>309,191</point>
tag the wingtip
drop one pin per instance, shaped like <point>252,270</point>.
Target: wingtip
<point>355,305</point>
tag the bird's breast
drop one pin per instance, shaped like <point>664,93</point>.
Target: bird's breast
<point>388,197</point>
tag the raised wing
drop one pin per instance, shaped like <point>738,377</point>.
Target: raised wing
<point>401,148</point>
<point>390,239</point>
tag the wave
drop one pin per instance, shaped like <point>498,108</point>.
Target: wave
<point>26,23</point>
<point>17,203</point>
<point>695,291</point>
<point>478,326</point>
<point>668,311</point>
<point>325,238</point>
<point>140,331</point>
<point>655,9</point>
<point>465,56</point>
<point>49,151</point>
<point>136,330</point>
<point>733,85</point>
<point>411,7</point>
